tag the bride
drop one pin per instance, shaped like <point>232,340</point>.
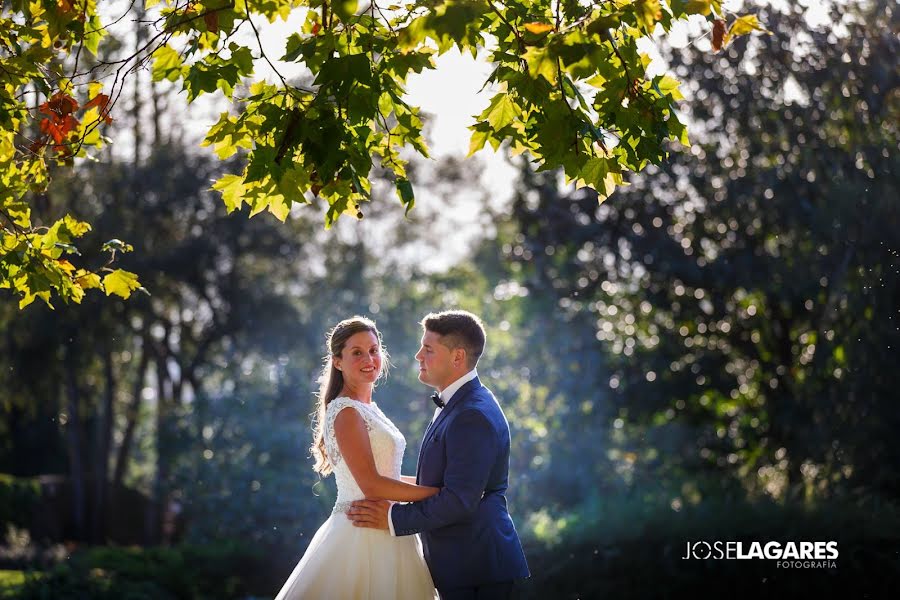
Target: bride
<point>362,447</point>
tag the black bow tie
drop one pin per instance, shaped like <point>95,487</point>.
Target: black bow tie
<point>436,398</point>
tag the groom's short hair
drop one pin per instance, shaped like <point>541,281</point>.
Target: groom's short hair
<point>458,329</point>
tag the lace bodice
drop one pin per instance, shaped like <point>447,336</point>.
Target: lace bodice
<point>387,442</point>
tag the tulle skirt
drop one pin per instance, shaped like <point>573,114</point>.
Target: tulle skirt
<point>344,562</point>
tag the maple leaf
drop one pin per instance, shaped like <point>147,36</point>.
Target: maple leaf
<point>121,282</point>
<point>101,101</point>
<point>718,34</point>
<point>59,103</point>
<point>50,127</point>
<point>538,28</point>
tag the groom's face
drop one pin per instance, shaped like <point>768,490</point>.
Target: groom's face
<point>435,362</point>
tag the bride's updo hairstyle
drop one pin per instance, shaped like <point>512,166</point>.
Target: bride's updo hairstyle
<point>331,381</point>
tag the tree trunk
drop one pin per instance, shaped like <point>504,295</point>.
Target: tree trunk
<point>75,444</point>
<point>102,451</point>
<point>131,416</point>
<point>158,109</point>
<point>162,442</point>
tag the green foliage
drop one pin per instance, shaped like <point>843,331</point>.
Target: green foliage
<point>573,303</point>
<point>34,36</point>
<point>254,481</point>
<point>10,583</point>
<point>571,91</point>
<point>743,302</point>
<point>68,582</point>
<point>180,573</point>
<point>17,497</point>
<point>628,547</point>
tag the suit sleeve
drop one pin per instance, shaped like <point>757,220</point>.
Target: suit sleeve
<point>472,446</point>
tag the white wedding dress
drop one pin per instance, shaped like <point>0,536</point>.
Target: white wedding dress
<point>345,562</point>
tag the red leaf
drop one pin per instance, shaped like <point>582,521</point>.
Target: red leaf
<point>52,128</point>
<point>60,104</point>
<point>68,124</point>
<point>718,34</point>
<point>100,100</point>
<point>58,128</point>
<point>212,21</point>
<point>315,29</point>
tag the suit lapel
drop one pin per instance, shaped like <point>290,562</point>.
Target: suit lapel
<point>457,399</point>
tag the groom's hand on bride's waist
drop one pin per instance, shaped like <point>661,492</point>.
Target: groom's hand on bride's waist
<point>369,513</point>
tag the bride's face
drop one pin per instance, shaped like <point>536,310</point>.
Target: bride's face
<point>360,360</point>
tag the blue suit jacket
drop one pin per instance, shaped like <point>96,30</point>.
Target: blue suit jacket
<point>467,534</point>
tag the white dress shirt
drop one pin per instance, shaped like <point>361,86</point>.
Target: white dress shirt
<point>451,389</point>
<point>446,396</point>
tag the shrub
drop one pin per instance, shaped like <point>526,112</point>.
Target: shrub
<point>179,573</point>
<point>618,549</point>
<point>17,497</point>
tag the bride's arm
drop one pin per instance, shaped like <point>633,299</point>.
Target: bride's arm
<point>356,450</point>
<point>408,479</point>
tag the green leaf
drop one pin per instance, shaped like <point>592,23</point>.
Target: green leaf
<point>345,9</point>
<point>602,23</point>
<point>262,164</point>
<point>167,64</point>
<point>227,135</point>
<point>678,131</point>
<point>116,245</point>
<point>683,8</point>
<point>404,62</point>
<point>343,72</point>
<point>242,58</point>
<point>594,171</point>
<point>232,188</point>
<point>479,137</point>
<point>502,111</point>
<point>202,79</point>
<point>294,47</point>
<point>405,192</point>
<point>88,280</point>
<point>669,86</point>
<point>744,25</point>
<point>294,182</point>
<point>121,283</point>
<point>648,12</point>
<point>19,212</point>
<point>541,62</point>
<point>93,34</point>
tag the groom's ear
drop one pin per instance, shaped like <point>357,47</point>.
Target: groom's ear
<point>459,357</point>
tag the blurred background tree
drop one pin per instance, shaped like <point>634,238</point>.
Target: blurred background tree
<point>708,354</point>
<point>747,292</point>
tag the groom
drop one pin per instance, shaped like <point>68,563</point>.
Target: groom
<point>468,537</point>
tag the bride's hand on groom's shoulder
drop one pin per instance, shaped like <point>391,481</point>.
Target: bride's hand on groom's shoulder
<point>369,513</point>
